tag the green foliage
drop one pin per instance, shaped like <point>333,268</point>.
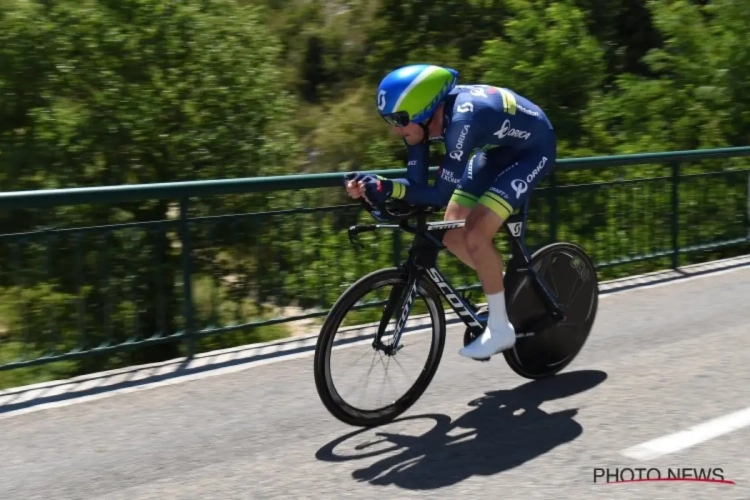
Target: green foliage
<point>101,92</point>
<point>139,91</point>
<point>542,44</point>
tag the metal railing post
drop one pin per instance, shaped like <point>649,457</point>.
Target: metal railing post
<point>553,207</point>
<point>675,215</point>
<point>187,281</point>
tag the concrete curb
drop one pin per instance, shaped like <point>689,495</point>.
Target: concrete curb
<point>97,385</point>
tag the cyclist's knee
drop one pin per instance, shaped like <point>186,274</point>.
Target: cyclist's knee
<point>454,211</point>
<point>454,238</point>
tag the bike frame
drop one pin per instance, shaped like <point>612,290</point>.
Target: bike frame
<point>422,260</point>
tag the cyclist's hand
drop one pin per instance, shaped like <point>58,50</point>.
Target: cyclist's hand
<point>352,184</point>
<point>376,188</point>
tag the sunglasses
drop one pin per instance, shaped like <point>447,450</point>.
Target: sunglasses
<point>397,119</point>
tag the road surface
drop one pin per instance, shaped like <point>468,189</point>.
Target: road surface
<point>660,361</point>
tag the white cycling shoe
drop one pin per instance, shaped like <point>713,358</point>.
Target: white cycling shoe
<point>490,342</point>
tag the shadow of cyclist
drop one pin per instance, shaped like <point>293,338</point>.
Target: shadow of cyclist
<point>505,429</point>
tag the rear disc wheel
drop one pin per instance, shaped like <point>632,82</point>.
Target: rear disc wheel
<point>571,276</point>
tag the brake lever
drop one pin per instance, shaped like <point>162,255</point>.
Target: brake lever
<point>354,237</point>
<point>354,232</point>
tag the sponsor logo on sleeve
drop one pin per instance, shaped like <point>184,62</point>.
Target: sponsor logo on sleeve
<point>458,153</point>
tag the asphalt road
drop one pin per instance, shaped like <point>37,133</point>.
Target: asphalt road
<point>659,361</point>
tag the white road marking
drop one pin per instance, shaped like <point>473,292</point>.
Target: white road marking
<point>690,437</point>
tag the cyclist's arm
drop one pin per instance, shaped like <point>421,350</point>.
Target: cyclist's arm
<point>417,163</point>
<point>459,139</point>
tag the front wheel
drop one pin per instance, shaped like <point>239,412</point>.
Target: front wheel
<point>571,276</point>
<point>427,330</point>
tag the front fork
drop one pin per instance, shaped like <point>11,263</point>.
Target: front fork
<point>400,299</point>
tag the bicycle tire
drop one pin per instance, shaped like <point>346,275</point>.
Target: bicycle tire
<point>546,353</point>
<point>327,392</point>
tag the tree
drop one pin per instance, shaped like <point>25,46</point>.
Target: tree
<point>548,56</point>
<point>102,92</point>
<point>697,94</point>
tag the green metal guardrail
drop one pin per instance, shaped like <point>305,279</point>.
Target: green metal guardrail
<point>141,265</point>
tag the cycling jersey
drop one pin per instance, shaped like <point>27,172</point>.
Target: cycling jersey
<point>496,142</point>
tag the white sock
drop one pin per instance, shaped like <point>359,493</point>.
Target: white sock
<point>498,319</point>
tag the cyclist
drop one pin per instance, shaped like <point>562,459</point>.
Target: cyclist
<point>498,145</point>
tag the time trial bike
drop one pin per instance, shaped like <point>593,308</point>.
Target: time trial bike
<point>551,298</point>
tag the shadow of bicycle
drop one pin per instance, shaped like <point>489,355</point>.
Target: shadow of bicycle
<point>504,429</point>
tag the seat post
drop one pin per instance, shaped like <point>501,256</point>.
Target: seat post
<point>518,251</point>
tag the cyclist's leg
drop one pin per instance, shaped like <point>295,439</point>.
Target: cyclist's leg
<point>454,238</point>
<point>506,194</point>
<point>508,191</point>
<point>474,181</point>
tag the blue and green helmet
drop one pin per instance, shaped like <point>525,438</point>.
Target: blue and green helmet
<point>413,93</point>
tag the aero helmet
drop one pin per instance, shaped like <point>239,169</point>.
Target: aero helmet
<point>413,93</point>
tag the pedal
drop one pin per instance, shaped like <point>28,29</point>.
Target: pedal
<point>483,360</point>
